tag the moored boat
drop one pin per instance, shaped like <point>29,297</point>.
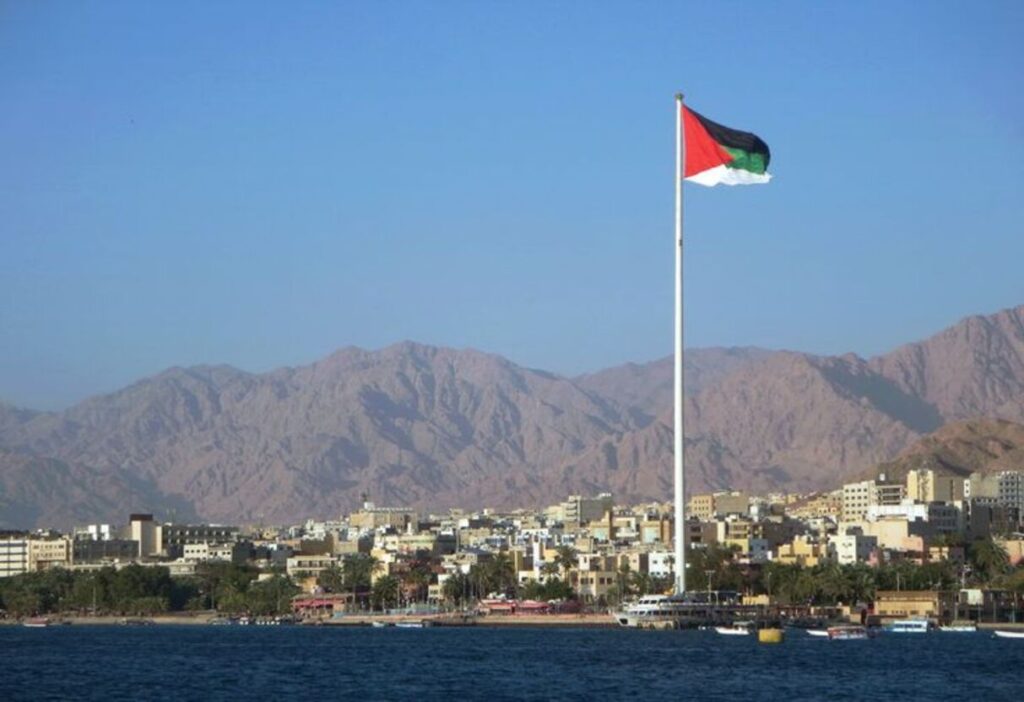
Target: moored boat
<point>960,627</point>
<point>736,629</point>
<point>1009,634</point>
<point>847,633</point>
<point>908,626</point>
<point>37,622</point>
<point>821,633</point>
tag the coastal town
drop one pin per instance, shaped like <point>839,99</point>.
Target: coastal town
<point>930,545</point>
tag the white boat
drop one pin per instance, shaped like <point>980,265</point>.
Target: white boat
<point>847,633</point>
<point>823,633</point>
<point>908,626</point>
<point>737,629</point>
<point>959,628</point>
<point>1009,634</point>
<point>646,607</point>
<point>409,625</point>
<point>37,622</point>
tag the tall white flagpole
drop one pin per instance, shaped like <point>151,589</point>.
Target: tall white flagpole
<point>680,506</point>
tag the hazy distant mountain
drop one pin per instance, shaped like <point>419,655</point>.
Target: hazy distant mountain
<point>434,427</point>
<point>647,387</point>
<point>409,424</point>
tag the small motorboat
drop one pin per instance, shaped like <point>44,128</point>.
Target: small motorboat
<point>737,629</point>
<point>960,627</point>
<point>409,625</point>
<point>1009,634</point>
<point>821,633</point>
<point>37,622</point>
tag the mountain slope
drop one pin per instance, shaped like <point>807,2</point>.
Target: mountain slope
<point>433,427</point>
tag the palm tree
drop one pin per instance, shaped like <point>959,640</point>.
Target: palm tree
<point>385,592</point>
<point>567,558</point>
<point>988,558</point>
<point>550,569</point>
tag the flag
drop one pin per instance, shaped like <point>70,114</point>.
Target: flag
<point>717,154</point>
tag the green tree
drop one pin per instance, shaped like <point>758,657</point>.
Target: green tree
<point>332,579</point>
<point>385,592</point>
<point>988,559</point>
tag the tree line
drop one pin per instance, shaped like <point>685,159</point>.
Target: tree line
<point>137,590</point>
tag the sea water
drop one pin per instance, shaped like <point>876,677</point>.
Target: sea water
<point>335,663</point>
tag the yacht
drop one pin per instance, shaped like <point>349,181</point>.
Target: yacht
<point>694,607</point>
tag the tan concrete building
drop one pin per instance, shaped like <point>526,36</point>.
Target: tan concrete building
<point>925,485</point>
<point>903,604</point>
<point>801,551</point>
<point>372,517</point>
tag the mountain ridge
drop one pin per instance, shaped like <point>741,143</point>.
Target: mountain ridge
<point>434,427</point>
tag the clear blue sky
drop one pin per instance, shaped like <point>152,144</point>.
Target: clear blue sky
<point>259,184</point>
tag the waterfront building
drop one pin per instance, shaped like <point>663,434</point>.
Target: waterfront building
<point>904,604</point>
<point>13,555</point>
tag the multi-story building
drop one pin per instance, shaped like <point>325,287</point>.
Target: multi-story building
<point>29,553</point>
<point>925,485</point>
<point>97,551</point>
<point>858,497</point>
<point>172,538</point>
<point>46,553</point>
<point>850,548</point>
<point>579,510</point>
<point>719,504</point>
<point>13,555</point>
<point>1005,488</point>
<point>372,517</point>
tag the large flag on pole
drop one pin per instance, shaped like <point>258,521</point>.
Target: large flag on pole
<point>717,154</point>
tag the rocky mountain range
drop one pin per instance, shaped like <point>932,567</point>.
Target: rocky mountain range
<point>435,427</point>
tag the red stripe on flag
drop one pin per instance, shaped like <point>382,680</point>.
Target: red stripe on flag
<point>702,152</point>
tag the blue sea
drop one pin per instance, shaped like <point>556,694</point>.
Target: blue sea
<point>234,663</point>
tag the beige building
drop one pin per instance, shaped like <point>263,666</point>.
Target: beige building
<point>33,553</point>
<point>372,517</point>
<point>719,504</point>
<point>311,565</point>
<point>858,497</point>
<point>901,604</point>
<point>801,551</point>
<point>925,485</point>
<point>44,554</point>
<point>145,531</point>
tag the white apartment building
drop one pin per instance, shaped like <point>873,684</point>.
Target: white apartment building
<point>858,497</point>
<point>847,549</point>
<point>13,556</point>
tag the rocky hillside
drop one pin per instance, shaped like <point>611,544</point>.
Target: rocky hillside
<point>962,448</point>
<point>434,427</point>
